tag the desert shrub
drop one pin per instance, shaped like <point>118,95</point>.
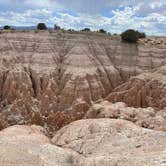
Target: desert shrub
<point>41,26</point>
<point>86,30</point>
<point>71,30</point>
<point>141,34</point>
<point>6,27</point>
<point>130,36</point>
<point>102,31</point>
<point>36,31</point>
<point>37,119</point>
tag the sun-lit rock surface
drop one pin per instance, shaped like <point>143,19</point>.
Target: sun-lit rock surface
<point>114,142</point>
<point>28,146</point>
<point>92,142</point>
<point>144,117</point>
<point>144,90</point>
<point>44,75</point>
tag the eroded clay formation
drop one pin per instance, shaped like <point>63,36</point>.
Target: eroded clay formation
<point>52,79</point>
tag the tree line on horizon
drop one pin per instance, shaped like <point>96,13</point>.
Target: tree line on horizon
<point>130,35</point>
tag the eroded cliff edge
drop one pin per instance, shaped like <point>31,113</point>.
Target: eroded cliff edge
<point>51,79</point>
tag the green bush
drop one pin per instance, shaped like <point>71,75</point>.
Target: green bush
<point>132,36</point>
<point>86,30</point>
<point>102,31</point>
<point>41,26</point>
<point>6,27</point>
<point>141,34</point>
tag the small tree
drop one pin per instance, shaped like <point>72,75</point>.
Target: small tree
<point>130,36</point>
<point>41,26</point>
<point>86,30</point>
<point>56,27</point>
<point>6,27</point>
<point>141,34</point>
<point>102,31</point>
<point>71,30</point>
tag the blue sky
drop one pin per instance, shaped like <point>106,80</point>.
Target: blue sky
<point>113,15</point>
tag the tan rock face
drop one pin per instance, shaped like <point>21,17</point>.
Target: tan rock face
<point>44,75</point>
<point>113,142</point>
<point>144,117</point>
<point>145,90</point>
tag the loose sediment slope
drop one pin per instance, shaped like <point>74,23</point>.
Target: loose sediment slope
<point>52,79</point>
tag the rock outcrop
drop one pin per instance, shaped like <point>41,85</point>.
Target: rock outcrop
<point>44,75</point>
<point>111,142</point>
<point>92,142</point>
<point>28,146</point>
<point>144,117</point>
<point>145,90</point>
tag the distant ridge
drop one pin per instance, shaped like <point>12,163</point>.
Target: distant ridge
<point>23,27</point>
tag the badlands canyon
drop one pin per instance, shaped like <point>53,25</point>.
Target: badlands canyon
<point>80,99</point>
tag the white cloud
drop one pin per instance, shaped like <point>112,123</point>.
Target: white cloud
<point>125,14</point>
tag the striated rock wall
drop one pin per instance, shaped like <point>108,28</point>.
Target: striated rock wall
<point>145,90</point>
<point>44,76</point>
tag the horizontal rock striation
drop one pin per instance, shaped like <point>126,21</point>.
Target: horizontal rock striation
<point>55,77</point>
<point>145,90</point>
